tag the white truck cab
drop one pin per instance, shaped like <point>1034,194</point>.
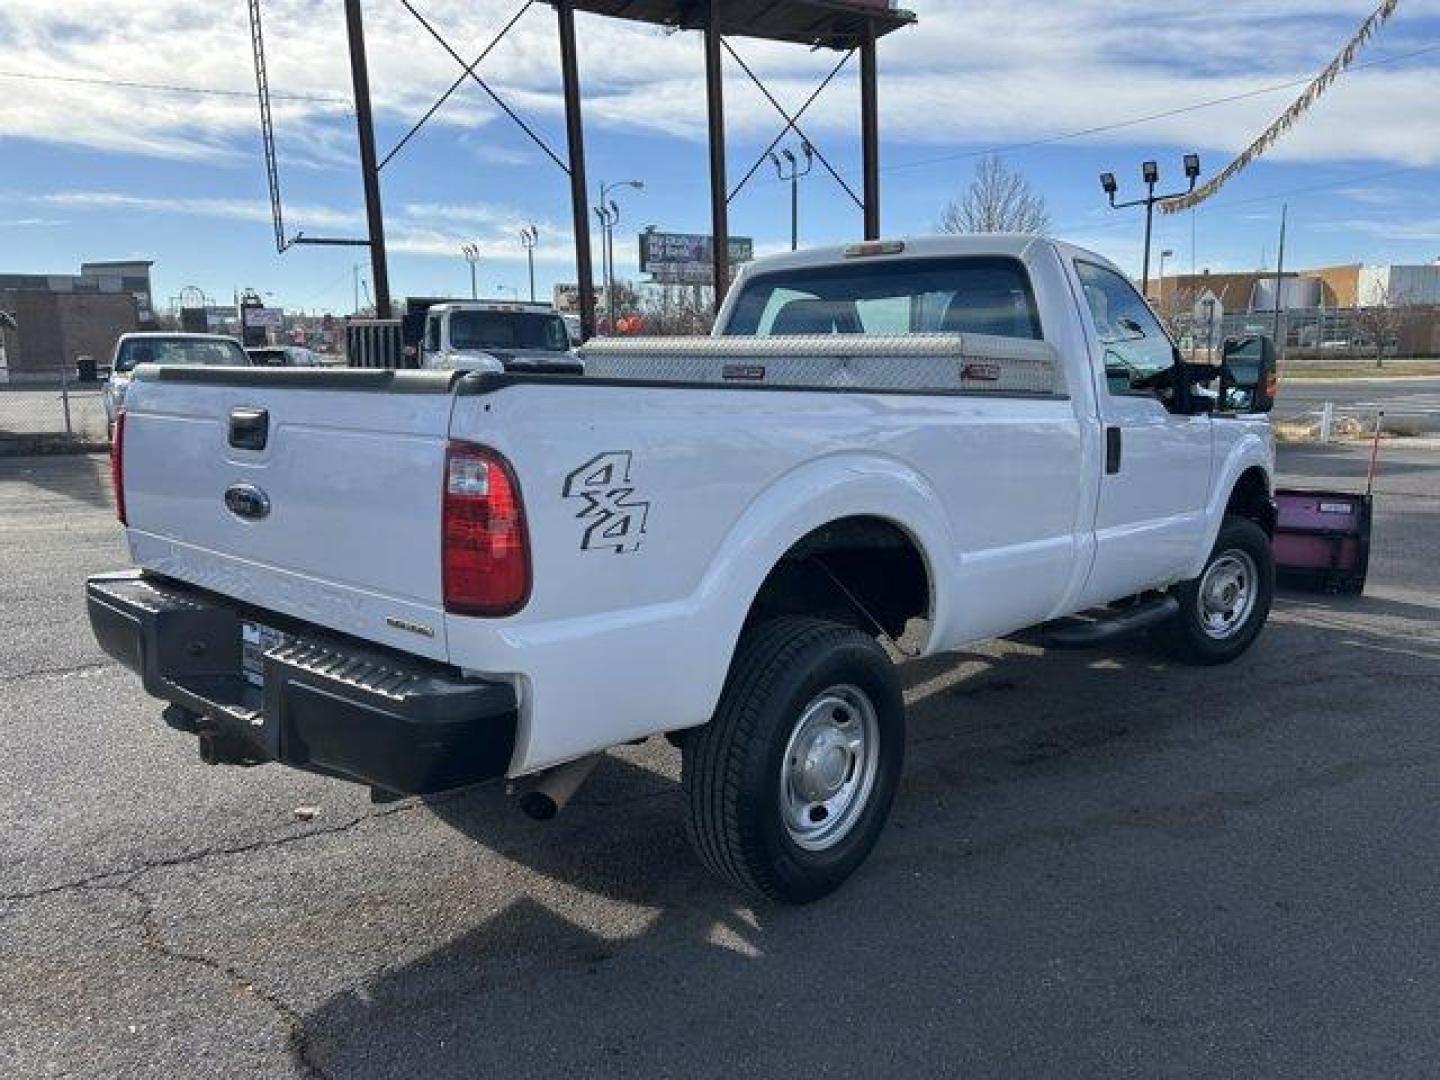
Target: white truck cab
<point>422,579</point>
<point>495,336</point>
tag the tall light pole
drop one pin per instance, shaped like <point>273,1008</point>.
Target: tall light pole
<point>529,237</point>
<point>609,214</point>
<point>472,256</point>
<point>1150,175</point>
<point>790,170</point>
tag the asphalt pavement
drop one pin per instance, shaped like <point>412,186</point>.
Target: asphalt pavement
<point>1416,398</point>
<point>1099,865</point>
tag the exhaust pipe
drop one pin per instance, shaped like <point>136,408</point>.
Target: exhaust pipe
<point>544,795</point>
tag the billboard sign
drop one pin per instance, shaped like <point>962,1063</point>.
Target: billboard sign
<point>272,318</point>
<point>684,258</point>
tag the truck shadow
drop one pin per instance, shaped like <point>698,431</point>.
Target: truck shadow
<point>79,477</point>
<point>618,955</point>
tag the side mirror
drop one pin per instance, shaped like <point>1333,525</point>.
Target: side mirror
<point>1247,375</point>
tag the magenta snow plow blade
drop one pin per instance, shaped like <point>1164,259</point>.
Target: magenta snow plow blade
<point>1322,539</point>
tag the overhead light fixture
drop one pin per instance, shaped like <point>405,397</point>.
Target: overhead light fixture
<point>1150,172</point>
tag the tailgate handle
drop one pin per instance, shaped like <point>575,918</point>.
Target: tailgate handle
<point>249,428</point>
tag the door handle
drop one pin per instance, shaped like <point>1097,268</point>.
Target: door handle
<point>1112,450</point>
<point>249,428</point>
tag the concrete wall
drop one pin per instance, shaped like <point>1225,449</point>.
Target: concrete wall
<point>55,328</point>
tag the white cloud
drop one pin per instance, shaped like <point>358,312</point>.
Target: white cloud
<point>969,72</point>
<point>412,228</point>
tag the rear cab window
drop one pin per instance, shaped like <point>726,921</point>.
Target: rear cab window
<point>190,352</point>
<point>965,294</point>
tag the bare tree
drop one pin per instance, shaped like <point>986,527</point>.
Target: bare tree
<point>678,309</point>
<point>997,200</point>
<point>1381,319</point>
<point>1176,308</point>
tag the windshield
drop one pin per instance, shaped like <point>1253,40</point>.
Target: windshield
<point>194,352</point>
<point>971,295</point>
<point>508,330</point>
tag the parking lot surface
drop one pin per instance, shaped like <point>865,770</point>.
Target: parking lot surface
<point>1099,865</point>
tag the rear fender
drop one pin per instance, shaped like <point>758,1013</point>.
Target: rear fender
<point>821,491</point>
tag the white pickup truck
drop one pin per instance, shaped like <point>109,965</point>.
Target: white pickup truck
<point>423,579</point>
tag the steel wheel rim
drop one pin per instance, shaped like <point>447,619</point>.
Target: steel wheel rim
<point>829,768</point>
<point>1227,594</point>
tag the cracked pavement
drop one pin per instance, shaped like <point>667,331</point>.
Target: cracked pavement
<point>1098,864</point>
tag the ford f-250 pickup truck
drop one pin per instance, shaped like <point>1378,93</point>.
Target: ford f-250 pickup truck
<point>422,579</point>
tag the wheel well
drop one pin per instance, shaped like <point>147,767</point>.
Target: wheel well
<point>1250,498</point>
<point>857,570</point>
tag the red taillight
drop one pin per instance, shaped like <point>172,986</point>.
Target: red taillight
<point>484,551</point>
<point>117,464</point>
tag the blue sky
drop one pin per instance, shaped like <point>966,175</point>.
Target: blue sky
<point>105,172</point>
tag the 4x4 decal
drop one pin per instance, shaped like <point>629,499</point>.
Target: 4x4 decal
<point>615,519</point>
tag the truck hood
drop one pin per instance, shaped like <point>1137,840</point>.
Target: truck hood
<point>514,360</point>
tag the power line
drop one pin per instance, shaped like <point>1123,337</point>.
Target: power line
<point>168,88</point>
<point>1148,118</point>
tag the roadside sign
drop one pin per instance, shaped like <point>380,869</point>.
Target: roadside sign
<point>272,318</point>
<point>684,258</point>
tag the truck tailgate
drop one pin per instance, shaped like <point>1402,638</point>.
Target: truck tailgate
<point>316,494</point>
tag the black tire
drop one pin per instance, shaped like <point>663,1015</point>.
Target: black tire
<point>732,767</point>
<point>1243,543</point>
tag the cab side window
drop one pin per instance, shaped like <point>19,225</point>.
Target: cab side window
<point>1139,355</point>
<point>432,334</point>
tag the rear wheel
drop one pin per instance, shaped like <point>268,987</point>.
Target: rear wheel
<point>1225,608</point>
<point>789,785</point>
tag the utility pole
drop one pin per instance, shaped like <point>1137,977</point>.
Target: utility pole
<point>1280,280</point>
<point>1150,175</point>
<point>793,173</point>
<point>369,170</point>
<point>529,237</point>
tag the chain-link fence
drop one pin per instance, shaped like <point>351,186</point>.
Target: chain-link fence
<point>51,411</point>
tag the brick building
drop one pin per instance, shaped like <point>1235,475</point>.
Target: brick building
<point>59,317</point>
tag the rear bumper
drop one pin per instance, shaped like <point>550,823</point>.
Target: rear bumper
<point>329,704</point>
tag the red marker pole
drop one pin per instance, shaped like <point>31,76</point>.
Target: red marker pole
<point>1374,452</point>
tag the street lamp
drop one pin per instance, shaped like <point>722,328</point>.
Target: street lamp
<point>472,256</point>
<point>609,215</point>
<point>790,170</point>
<point>1166,254</point>
<point>529,237</point>
<point>1150,176</point>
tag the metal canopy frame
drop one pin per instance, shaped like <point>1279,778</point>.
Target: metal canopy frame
<point>848,26</point>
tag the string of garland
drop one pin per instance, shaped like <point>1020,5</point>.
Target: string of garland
<point>1286,120</point>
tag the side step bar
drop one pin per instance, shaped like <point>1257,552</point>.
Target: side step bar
<point>1113,625</point>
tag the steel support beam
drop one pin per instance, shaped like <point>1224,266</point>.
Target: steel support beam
<point>575,149</point>
<point>369,172</point>
<point>870,131</point>
<point>715,102</point>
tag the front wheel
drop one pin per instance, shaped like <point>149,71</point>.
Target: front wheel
<point>1223,610</point>
<point>789,785</point>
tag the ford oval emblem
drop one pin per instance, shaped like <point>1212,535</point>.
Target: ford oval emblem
<point>247,501</point>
